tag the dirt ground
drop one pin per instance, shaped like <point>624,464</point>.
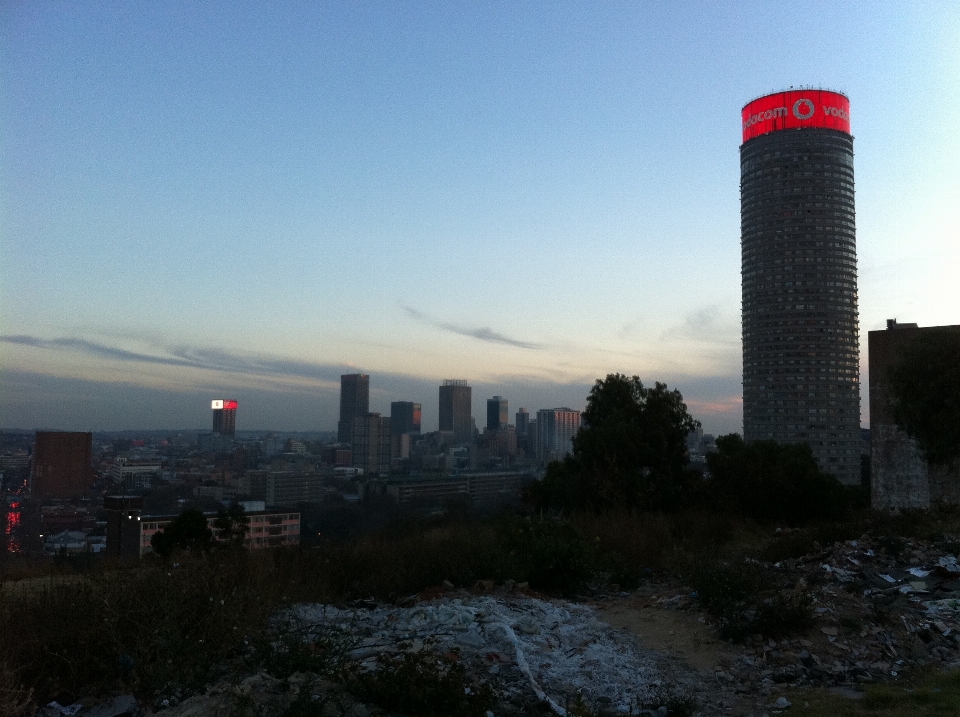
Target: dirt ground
<point>683,634</point>
<point>661,619</point>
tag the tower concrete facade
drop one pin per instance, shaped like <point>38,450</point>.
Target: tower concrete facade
<point>801,379</point>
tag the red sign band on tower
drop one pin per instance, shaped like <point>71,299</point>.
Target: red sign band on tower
<point>796,109</point>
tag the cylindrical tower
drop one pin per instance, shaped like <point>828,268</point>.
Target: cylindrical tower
<point>801,379</point>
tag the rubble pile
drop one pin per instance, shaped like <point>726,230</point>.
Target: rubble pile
<point>877,612</point>
<point>528,649</point>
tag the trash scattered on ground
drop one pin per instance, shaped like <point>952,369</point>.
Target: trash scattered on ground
<point>524,646</point>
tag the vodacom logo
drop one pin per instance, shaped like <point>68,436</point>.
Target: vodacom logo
<point>803,109</point>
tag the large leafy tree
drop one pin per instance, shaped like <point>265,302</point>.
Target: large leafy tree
<point>232,525</point>
<point>925,393</point>
<point>770,481</point>
<point>631,451</point>
<point>188,531</point>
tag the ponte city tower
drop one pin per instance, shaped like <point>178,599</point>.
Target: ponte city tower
<point>801,379</point>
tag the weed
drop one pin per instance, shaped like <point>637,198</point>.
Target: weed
<point>422,685</point>
<point>293,647</point>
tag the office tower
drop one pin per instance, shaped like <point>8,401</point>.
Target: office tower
<point>522,422</point>
<point>354,402</point>
<point>556,428</point>
<point>801,380</point>
<point>900,475</point>
<point>496,413</point>
<point>224,416</point>
<point>455,410</point>
<point>62,465</point>
<point>405,417</point>
<point>372,444</point>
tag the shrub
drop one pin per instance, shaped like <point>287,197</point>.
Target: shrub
<point>745,599</point>
<point>421,684</point>
<point>550,553</point>
<point>137,628</point>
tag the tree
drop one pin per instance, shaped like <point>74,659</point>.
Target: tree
<point>631,451</point>
<point>770,481</point>
<point>232,525</point>
<point>188,531</point>
<point>925,393</point>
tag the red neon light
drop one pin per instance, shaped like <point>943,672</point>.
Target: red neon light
<point>795,109</point>
<point>230,404</point>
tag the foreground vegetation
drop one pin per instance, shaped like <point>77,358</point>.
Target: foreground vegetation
<point>201,616</point>
<point>925,694</point>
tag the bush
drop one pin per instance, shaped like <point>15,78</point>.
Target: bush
<point>136,629</point>
<point>550,553</point>
<point>421,684</point>
<point>746,600</point>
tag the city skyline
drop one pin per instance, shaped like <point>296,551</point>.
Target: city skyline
<point>202,201</point>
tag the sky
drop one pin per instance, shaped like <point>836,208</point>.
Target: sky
<point>246,200</point>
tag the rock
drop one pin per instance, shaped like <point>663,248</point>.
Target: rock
<point>447,586</point>
<point>781,703</point>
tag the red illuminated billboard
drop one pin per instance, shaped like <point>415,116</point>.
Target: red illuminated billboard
<point>795,109</point>
<point>221,403</point>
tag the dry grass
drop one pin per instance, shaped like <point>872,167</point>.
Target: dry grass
<point>186,622</point>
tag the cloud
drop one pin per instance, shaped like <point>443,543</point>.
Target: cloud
<point>484,333</point>
<point>705,324</point>
<point>191,357</point>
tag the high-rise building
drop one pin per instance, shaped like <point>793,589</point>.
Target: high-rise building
<point>224,416</point>
<point>556,428</point>
<point>455,410</point>
<point>405,417</point>
<point>354,403</point>
<point>522,421</point>
<point>62,464</point>
<point>801,380</point>
<point>372,444</point>
<point>497,413</point>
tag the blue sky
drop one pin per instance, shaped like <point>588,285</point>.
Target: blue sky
<point>235,200</point>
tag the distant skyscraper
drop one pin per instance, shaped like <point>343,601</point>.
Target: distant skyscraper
<point>556,428</point>
<point>354,402</point>
<point>62,465</point>
<point>405,417</point>
<point>801,381</point>
<point>455,410</point>
<point>224,416</point>
<point>496,413</point>
<point>372,444</point>
<point>522,422</point>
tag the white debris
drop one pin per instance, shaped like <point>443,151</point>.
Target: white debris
<point>561,649</point>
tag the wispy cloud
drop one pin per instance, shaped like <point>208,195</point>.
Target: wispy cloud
<point>483,333</point>
<point>705,324</point>
<point>189,357</point>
